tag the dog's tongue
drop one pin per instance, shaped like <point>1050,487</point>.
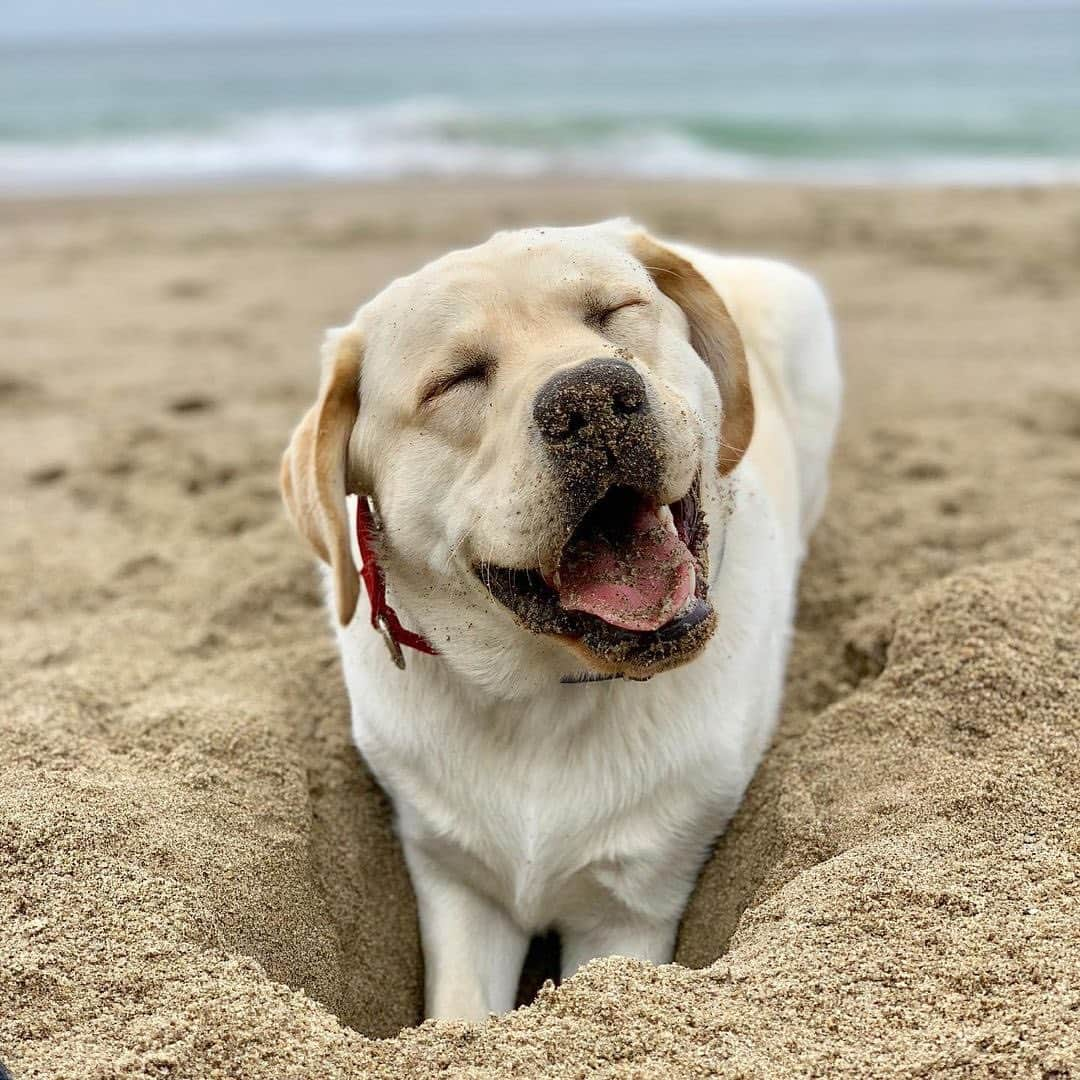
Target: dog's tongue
<point>638,579</point>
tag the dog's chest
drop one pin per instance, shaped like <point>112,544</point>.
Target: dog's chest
<point>548,854</point>
<point>564,824</point>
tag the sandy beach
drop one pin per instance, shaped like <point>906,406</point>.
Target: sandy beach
<point>199,879</point>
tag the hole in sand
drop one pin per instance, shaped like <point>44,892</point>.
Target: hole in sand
<point>191,403</point>
<point>360,874</point>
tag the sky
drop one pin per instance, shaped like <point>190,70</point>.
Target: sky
<point>44,19</point>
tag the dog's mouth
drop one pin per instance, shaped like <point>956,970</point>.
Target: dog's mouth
<point>630,590</point>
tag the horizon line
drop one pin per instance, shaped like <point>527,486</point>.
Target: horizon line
<point>448,22</point>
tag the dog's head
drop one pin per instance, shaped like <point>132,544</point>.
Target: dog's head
<point>546,423</point>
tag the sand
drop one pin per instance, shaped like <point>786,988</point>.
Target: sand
<point>199,879</point>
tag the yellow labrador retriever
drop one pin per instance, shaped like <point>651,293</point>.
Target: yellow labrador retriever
<point>582,456</point>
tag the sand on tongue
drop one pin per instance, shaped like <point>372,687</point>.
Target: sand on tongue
<point>638,581</point>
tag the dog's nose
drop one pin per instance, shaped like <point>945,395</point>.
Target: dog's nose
<point>601,393</point>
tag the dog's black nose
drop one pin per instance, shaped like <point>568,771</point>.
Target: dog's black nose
<point>599,395</point>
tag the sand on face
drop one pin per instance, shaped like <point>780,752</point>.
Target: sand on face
<point>199,879</point>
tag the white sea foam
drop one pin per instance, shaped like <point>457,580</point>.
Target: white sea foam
<point>440,138</point>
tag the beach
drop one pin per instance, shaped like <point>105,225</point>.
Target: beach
<point>198,878</point>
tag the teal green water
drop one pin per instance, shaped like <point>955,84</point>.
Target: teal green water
<point>916,94</point>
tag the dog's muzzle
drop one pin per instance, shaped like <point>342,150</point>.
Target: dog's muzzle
<point>626,584</point>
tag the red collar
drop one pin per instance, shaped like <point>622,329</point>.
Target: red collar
<point>383,616</point>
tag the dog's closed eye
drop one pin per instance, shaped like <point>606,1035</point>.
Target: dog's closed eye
<point>475,370</point>
<point>600,314</point>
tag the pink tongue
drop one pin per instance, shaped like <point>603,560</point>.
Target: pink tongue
<point>639,582</point>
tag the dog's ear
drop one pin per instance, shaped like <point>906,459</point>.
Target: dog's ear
<point>314,469</point>
<point>714,336</point>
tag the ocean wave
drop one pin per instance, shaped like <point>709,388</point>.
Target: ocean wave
<point>432,137</point>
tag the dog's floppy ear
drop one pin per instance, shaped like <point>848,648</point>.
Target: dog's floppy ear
<point>714,337</point>
<point>314,469</point>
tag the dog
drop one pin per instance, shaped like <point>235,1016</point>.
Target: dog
<point>578,468</point>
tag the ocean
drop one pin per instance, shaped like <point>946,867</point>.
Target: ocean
<point>913,95</point>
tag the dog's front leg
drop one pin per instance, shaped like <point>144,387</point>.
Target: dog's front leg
<point>652,941</point>
<point>473,951</point>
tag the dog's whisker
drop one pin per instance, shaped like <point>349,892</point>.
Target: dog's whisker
<point>466,533</point>
<point>663,270</point>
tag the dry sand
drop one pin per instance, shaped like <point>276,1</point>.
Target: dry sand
<point>197,876</point>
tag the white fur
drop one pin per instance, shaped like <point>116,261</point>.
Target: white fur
<point>589,808</point>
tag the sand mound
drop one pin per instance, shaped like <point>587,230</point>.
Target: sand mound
<point>198,878</point>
